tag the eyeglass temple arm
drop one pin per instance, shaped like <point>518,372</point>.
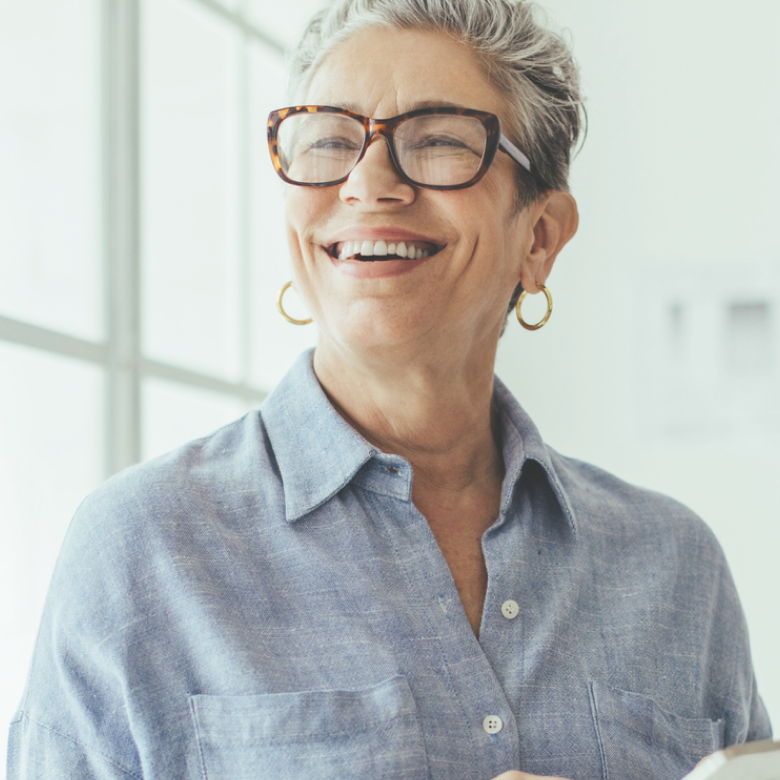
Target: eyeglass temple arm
<point>507,146</point>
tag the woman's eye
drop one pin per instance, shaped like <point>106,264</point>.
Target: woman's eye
<point>333,142</point>
<point>443,145</point>
<point>442,140</point>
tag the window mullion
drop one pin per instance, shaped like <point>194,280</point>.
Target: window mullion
<point>121,53</point>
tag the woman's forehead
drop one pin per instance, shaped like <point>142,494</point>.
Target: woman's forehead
<point>384,71</point>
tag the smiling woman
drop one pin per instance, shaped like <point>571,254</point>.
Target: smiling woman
<point>455,227</point>
<point>385,572</point>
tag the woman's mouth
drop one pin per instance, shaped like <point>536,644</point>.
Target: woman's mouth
<point>372,251</point>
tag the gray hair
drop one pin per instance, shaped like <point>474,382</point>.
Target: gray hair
<point>531,65</point>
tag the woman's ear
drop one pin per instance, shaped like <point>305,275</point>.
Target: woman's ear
<point>555,220</point>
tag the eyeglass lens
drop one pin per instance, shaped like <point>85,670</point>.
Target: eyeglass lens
<point>438,150</point>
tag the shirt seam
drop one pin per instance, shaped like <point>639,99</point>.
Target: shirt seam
<point>597,729</point>
<point>109,759</point>
<point>375,726</point>
<point>196,724</point>
<point>379,492</point>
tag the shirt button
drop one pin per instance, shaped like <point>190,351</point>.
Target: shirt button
<point>510,609</point>
<point>492,724</point>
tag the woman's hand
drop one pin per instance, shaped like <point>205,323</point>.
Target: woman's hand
<point>515,775</point>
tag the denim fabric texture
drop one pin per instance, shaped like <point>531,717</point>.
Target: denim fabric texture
<point>267,602</point>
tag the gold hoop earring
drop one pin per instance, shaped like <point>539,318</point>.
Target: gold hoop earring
<point>546,317</point>
<point>284,314</point>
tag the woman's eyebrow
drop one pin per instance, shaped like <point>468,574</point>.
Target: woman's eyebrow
<point>349,106</point>
<point>435,104</point>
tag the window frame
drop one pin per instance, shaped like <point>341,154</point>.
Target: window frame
<point>119,353</point>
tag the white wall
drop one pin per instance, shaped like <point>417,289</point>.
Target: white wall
<point>678,192</point>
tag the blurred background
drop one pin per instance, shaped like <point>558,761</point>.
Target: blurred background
<point>142,247</point>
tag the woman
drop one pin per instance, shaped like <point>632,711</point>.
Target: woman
<point>385,572</point>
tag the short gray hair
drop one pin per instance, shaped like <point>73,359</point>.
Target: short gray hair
<point>530,64</point>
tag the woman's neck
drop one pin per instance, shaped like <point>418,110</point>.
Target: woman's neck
<point>436,413</point>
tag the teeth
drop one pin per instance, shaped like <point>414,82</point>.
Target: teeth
<point>350,249</point>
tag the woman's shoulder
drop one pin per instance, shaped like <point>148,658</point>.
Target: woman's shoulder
<point>155,524</point>
<point>228,473</point>
<point>607,505</point>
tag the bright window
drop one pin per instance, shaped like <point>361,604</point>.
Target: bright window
<point>141,251</point>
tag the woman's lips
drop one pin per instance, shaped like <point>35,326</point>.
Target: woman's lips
<point>357,251</point>
<point>359,268</point>
<point>380,242</point>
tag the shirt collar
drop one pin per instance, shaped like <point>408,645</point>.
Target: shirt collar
<point>522,442</point>
<point>319,453</point>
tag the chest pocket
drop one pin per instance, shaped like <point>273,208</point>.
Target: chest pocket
<point>640,741</point>
<point>330,735</point>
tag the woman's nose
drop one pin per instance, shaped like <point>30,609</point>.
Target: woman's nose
<point>374,180</point>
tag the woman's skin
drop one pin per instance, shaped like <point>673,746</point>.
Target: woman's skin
<point>407,348</point>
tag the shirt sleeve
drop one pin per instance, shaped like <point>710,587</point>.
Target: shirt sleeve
<point>729,665</point>
<point>759,726</point>
<point>39,752</point>
<point>74,719</point>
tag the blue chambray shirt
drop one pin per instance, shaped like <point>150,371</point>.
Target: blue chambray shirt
<point>267,602</point>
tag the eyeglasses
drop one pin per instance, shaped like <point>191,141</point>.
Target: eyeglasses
<point>445,148</point>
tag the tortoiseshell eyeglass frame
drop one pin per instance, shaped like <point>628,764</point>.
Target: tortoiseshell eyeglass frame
<point>494,141</point>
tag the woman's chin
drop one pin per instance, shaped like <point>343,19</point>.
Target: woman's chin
<point>376,324</point>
